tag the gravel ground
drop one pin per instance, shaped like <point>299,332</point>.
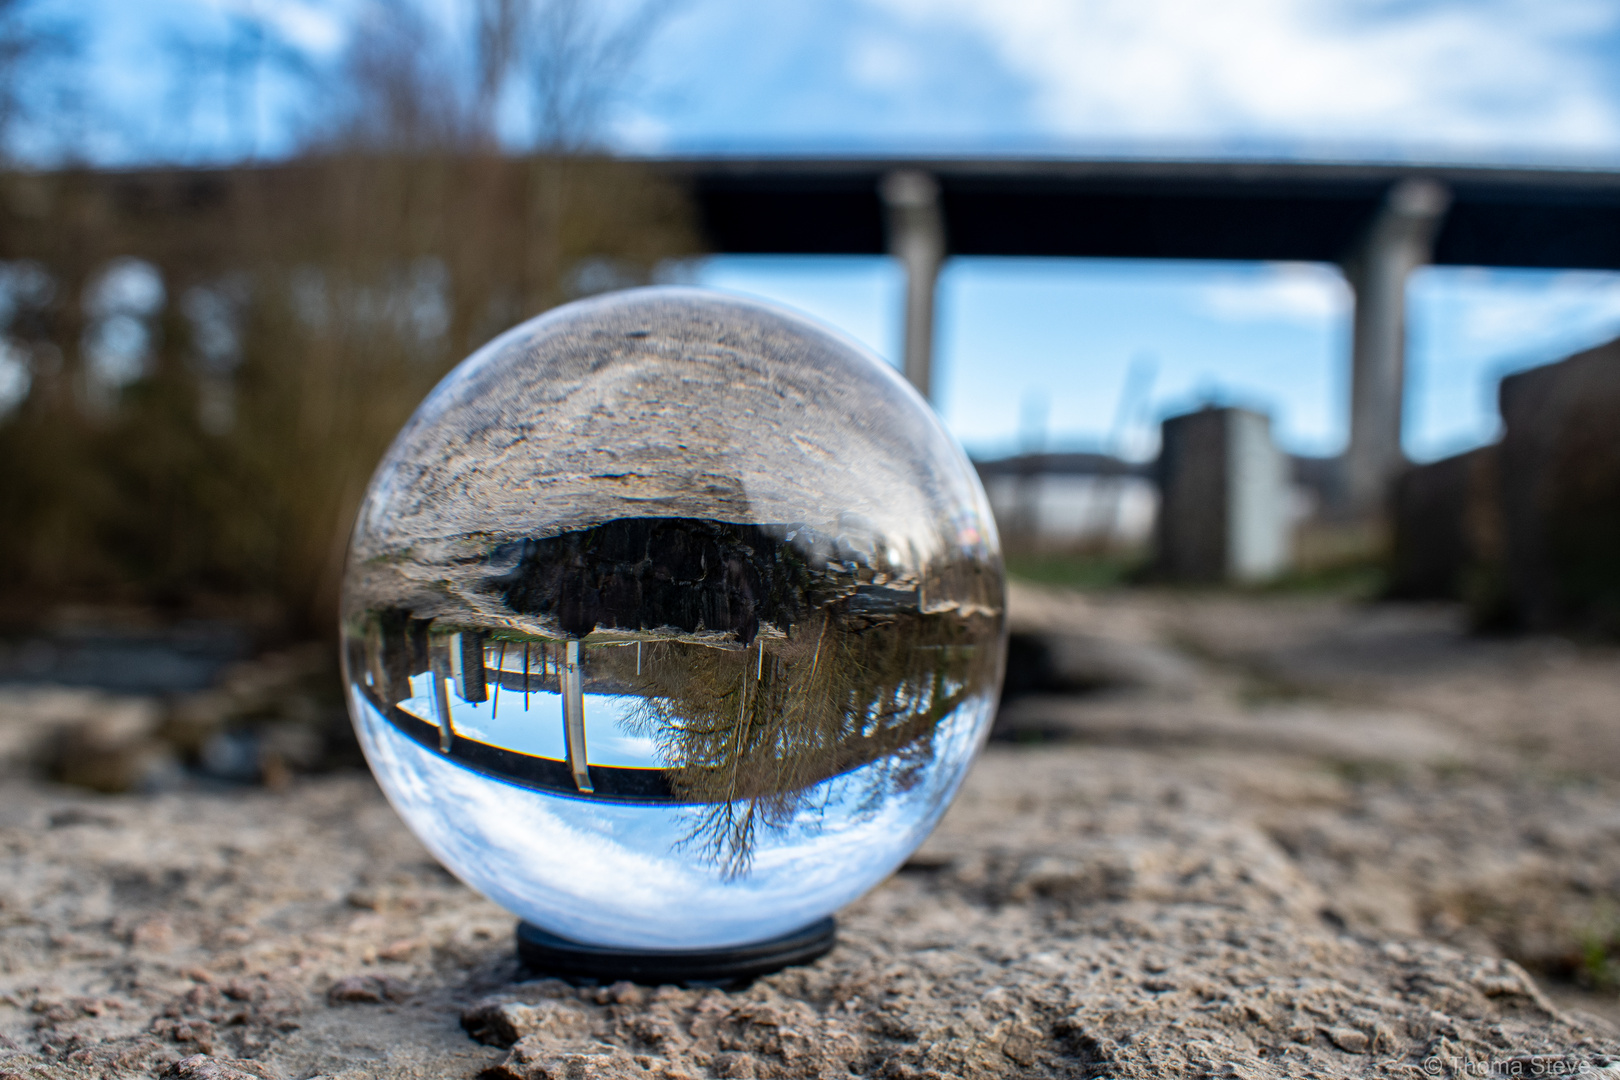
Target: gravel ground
<point>1271,838</point>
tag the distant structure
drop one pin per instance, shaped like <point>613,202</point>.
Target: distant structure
<point>1224,499</point>
<point>1377,222</point>
<point>1076,501</point>
<point>1526,530</point>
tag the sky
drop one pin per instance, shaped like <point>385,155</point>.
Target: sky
<point>1043,351</point>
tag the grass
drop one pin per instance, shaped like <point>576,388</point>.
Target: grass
<point>1361,579</point>
<point>1595,967</point>
<point>1355,579</point>
<point>1075,571</point>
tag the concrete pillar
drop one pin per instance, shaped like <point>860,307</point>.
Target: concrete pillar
<point>916,231</point>
<point>1400,239</point>
<point>1224,507</point>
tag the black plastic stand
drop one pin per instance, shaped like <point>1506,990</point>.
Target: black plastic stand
<point>597,965</point>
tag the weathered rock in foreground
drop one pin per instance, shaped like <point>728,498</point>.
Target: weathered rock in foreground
<point>1097,912</point>
<point>1193,903</point>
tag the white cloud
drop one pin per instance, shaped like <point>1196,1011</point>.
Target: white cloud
<point>880,62</point>
<point>1438,76</point>
<point>637,132</point>
<point>1514,317</point>
<point>1280,292</point>
<point>1469,326</point>
<point>315,28</point>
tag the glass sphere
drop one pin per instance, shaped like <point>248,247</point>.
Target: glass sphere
<point>672,620</point>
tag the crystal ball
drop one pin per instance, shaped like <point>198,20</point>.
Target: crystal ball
<point>672,620</point>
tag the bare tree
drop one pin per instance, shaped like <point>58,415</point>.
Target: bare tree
<point>577,59</point>
<point>256,48</point>
<point>344,285</point>
<point>29,47</point>
<point>497,33</point>
<point>411,83</point>
<point>225,75</point>
<point>401,82</point>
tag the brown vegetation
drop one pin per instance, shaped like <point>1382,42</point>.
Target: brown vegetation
<point>214,360</point>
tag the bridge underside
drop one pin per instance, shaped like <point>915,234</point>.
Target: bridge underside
<point>1378,222</point>
<point>1556,219</point>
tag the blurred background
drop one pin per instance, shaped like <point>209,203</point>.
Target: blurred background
<point>1215,297</point>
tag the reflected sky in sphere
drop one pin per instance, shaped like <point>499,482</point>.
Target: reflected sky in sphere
<point>620,875</point>
<point>672,620</point>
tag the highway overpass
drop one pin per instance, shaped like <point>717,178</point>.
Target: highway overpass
<point>1378,222</point>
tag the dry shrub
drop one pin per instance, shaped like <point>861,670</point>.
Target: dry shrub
<point>305,309</point>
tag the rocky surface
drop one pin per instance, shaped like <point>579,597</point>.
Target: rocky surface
<point>1272,838</point>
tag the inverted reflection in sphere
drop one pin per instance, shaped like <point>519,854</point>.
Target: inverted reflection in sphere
<point>672,620</point>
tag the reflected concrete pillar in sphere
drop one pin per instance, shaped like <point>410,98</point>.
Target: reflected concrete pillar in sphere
<point>573,694</point>
<point>917,238</point>
<point>1400,239</point>
<point>439,665</point>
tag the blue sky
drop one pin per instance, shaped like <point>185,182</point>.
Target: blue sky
<point>1489,81</point>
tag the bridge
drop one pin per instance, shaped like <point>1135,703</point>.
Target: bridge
<point>1377,222</point>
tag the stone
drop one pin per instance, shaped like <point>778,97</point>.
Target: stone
<point>502,1023</point>
<point>367,990</point>
<point>1195,902</point>
<point>203,1067</point>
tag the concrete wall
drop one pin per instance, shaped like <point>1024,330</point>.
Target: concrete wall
<point>1527,531</point>
<point>1447,529</point>
<point>1225,499</point>
<point>1560,492</point>
<point>1259,519</point>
